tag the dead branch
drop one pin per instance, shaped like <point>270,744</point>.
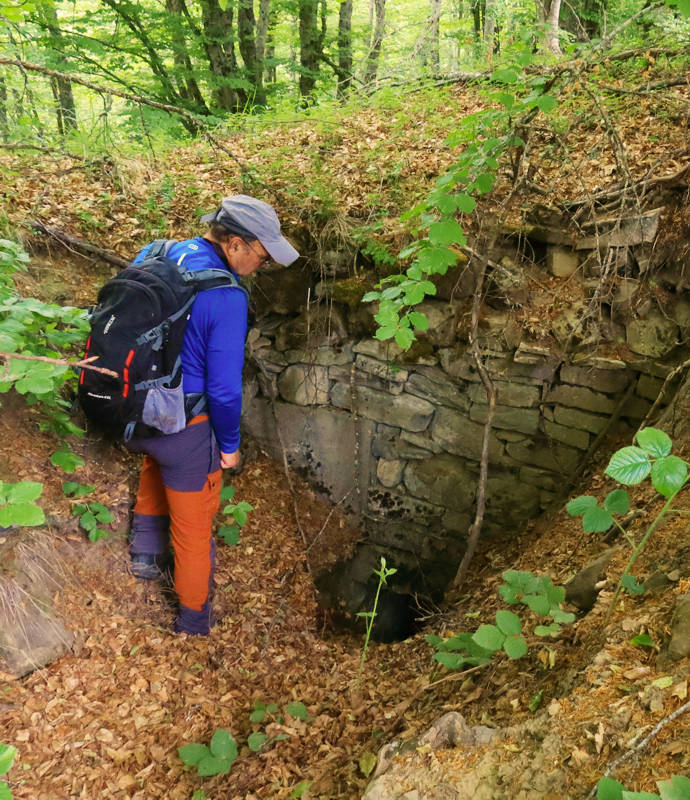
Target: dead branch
<point>85,363</point>
<point>197,123</point>
<point>651,87</point>
<point>669,378</point>
<point>74,241</point>
<point>641,745</point>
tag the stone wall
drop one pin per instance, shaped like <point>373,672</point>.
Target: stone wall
<point>399,446</point>
<point>396,437</point>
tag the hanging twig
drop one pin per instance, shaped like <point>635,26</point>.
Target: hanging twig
<point>83,364</point>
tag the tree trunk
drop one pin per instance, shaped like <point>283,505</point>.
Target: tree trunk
<point>262,28</point>
<point>478,7</point>
<point>309,48</point>
<point>372,63</point>
<point>246,27</point>
<point>344,47</point>
<point>184,72</point>
<point>4,130</point>
<point>61,88</point>
<point>220,51</point>
<point>434,38</point>
<point>548,13</point>
<point>489,22</point>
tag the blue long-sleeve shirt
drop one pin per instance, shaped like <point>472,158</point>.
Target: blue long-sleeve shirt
<point>213,349</point>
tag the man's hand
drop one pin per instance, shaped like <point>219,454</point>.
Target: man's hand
<point>229,460</point>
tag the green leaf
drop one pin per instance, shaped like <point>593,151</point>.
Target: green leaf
<point>678,788</point>
<point>88,520</point>
<point>104,516</point>
<point>230,534</point>
<point>227,493</point>
<point>67,460</point>
<point>213,766</point>
<point>546,103</point>
<point>629,583</point>
<point>76,489</point>
<point>437,259</point>
<point>367,763</point>
<point>508,623</point>
<point>617,502</point>
<point>369,297</point>
<point>642,640</point>
<point>580,504</point>
<point>655,442</point>
<point>466,204</point>
<point>639,795</point>
<point>191,754</point>
<point>223,745</point>
<point>5,793</point>
<point>506,75</point>
<point>535,702</point>
<point>669,475</point>
<point>608,789</point>
<point>24,514</point>
<point>23,492</point>
<point>489,637</point>
<point>199,794</point>
<point>485,182</point>
<point>596,520</point>
<point>665,682</point>
<point>551,630</point>
<point>404,338</point>
<point>564,617</point>
<point>446,232</point>
<point>7,754</point>
<point>256,740</point>
<point>297,710</point>
<point>515,646</point>
<point>539,603</point>
<point>382,334</point>
<point>629,466</point>
<point>300,790</point>
<point>418,320</point>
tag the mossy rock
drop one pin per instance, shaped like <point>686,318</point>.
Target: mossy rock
<point>350,291</point>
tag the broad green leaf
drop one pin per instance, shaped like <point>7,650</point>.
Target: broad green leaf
<point>515,646</point>
<point>223,745</point>
<point>546,103</point>
<point>506,99</point>
<point>466,204</point>
<point>191,754</point>
<point>485,182</point>
<point>433,639</point>
<point>452,660</point>
<point>67,460</point>
<point>256,740</point>
<point>446,232</point>
<point>199,794</point>
<point>631,585</point>
<point>23,492</point>
<point>382,334</point>
<point>418,320</point>
<point>508,623</point>
<point>88,520</point>
<point>548,630</point>
<point>564,617</point>
<point>76,489</point>
<point>437,259</point>
<point>596,520</point>
<point>298,710</point>
<point>580,504</point>
<point>213,766</point>
<point>24,514</point>
<point>506,75</point>
<point>655,442</point>
<point>489,637</point>
<point>678,787</point>
<point>7,754</point>
<point>683,7</point>
<point>104,516</point>
<point>629,466</point>
<point>669,475</point>
<point>227,493</point>
<point>509,593</point>
<point>5,793</point>
<point>446,203</point>
<point>617,501</point>
<point>404,338</point>
<point>639,795</point>
<point>240,516</point>
<point>608,789</point>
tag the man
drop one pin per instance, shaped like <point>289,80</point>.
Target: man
<point>180,481</point>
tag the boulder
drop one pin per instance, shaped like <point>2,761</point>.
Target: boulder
<point>654,336</point>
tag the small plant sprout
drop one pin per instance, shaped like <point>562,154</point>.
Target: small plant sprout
<point>230,534</point>
<point>263,713</point>
<point>383,574</point>
<point>7,754</point>
<point>216,759</point>
<point>90,514</point>
<point>677,788</point>
<point>520,588</point>
<point>652,458</point>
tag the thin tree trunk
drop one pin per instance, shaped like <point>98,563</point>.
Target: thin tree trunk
<point>59,120</point>
<point>62,89</point>
<point>552,16</point>
<point>489,22</point>
<point>309,48</point>
<point>4,130</point>
<point>344,47</point>
<point>220,51</point>
<point>262,27</point>
<point>246,26</point>
<point>372,63</point>
<point>184,71</point>
<point>434,38</point>
<point>478,7</point>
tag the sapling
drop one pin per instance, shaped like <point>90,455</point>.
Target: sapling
<point>230,534</point>
<point>632,465</point>
<point>383,574</point>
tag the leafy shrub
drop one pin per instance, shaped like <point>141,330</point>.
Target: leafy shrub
<point>90,514</point>
<point>216,759</point>
<point>230,534</point>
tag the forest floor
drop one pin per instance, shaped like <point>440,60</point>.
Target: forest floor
<point>107,719</point>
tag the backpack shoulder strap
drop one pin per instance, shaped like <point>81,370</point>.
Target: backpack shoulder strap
<point>159,248</point>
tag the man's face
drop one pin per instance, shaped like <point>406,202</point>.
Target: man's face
<point>246,257</point>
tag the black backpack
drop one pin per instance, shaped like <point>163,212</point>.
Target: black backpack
<point>137,330</point>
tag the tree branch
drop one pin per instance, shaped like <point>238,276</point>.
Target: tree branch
<point>74,241</point>
<point>83,364</point>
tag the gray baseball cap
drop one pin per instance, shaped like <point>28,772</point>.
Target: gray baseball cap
<point>257,218</point>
